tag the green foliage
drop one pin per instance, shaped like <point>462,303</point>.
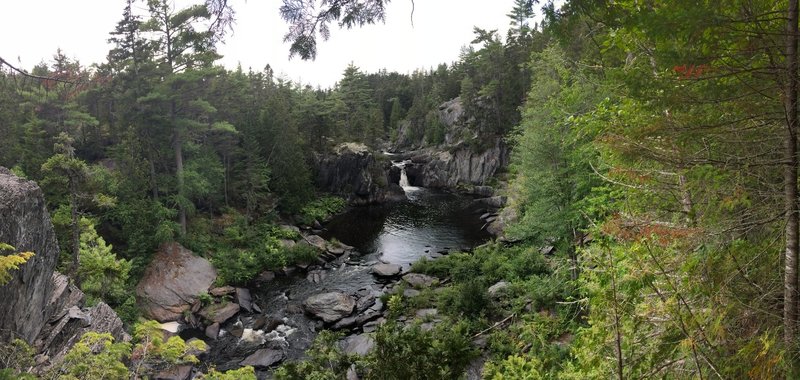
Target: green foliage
<point>412,353</point>
<point>514,367</point>
<point>95,357</point>
<point>152,352</point>
<point>104,277</point>
<point>10,262</point>
<point>244,373</point>
<point>325,361</point>
<point>321,209</point>
<point>16,358</point>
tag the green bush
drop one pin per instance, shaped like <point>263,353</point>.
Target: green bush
<point>408,352</point>
<point>321,209</point>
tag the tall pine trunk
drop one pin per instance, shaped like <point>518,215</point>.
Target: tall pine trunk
<point>790,179</point>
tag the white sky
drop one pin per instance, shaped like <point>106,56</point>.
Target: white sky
<point>32,30</point>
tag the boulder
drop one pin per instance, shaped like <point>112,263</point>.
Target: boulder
<point>419,280</point>
<point>360,344</point>
<point>386,270</point>
<point>172,282</point>
<point>497,290</point>
<point>244,299</point>
<point>212,331</point>
<point>263,358</point>
<point>330,307</point>
<point>219,312</point>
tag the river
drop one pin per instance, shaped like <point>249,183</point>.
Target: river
<point>429,223</point>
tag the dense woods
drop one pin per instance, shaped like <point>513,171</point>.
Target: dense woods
<point>653,184</point>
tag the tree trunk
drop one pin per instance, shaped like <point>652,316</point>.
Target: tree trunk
<point>76,233</point>
<point>178,145</point>
<point>790,180</point>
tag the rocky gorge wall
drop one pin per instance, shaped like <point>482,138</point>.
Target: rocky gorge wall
<point>38,304</point>
<point>356,173</point>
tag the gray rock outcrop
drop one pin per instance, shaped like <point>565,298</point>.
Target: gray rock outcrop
<point>172,282</point>
<point>354,172</point>
<point>25,224</point>
<point>38,304</point>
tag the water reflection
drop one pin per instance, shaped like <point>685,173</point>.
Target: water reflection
<point>428,222</point>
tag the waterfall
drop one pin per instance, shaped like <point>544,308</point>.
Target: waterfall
<point>404,178</point>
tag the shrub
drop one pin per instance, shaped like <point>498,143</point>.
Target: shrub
<point>321,209</point>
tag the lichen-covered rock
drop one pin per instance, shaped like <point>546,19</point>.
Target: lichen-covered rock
<point>330,307</point>
<point>172,282</point>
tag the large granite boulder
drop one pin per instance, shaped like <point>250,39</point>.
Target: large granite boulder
<point>330,307</point>
<point>25,224</point>
<point>172,282</point>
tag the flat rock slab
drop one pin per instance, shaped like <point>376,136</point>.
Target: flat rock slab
<point>386,270</point>
<point>220,312</point>
<point>330,307</point>
<point>419,280</point>
<point>263,358</point>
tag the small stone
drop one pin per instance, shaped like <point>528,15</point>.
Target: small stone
<point>410,293</point>
<point>222,291</point>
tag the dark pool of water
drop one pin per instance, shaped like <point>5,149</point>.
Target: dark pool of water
<point>402,232</point>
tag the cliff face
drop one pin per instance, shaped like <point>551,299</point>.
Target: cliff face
<point>39,305</point>
<point>355,173</point>
<point>463,158</point>
<point>25,224</point>
<point>458,166</point>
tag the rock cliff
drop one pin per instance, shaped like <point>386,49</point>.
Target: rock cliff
<point>39,305</point>
<point>464,159</point>
<point>354,172</point>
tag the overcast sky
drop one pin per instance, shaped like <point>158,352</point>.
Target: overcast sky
<point>32,30</point>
